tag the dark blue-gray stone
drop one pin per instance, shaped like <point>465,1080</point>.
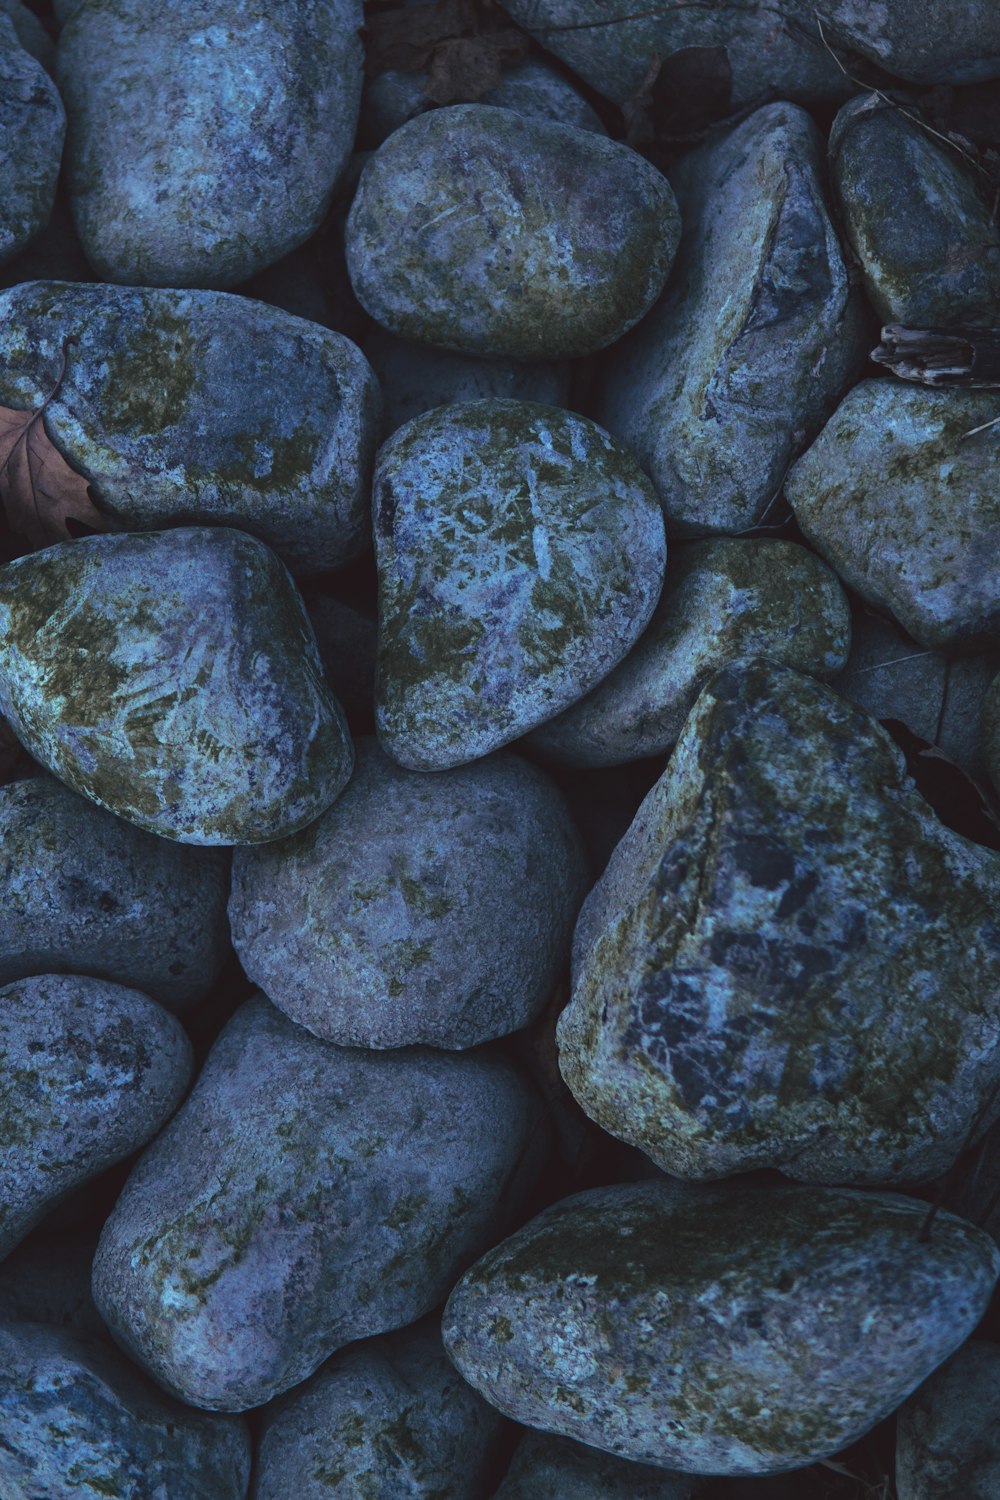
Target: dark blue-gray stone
<point>546,1467</point>
<point>948,1433</point>
<point>32,127</point>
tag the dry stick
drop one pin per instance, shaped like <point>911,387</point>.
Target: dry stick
<point>949,1176</point>
<point>638,15</point>
<point>896,661</point>
<point>945,685</point>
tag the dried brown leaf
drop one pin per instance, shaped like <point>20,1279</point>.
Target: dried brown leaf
<point>680,95</point>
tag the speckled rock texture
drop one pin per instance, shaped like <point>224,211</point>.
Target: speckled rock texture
<point>32,128</point>
<point>730,1330</point>
<point>948,1433</point>
<point>991,730</point>
<point>477,229</point>
<point>82,892</point>
<point>415,378</point>
<point>89,1071</point>
<point>383,1418</point>
<point>305,1196</point>
<point>907,508</point>
<point>755,338</point>
<point>545,1467</point>
<point>789,962</point>
<point>917,216</point>
<point>77,1419</point>
<point>202,408</point>
<point>173,677</point>
<point>418,909</point>
<point>205,139</point>
<point>723,599</point>
<point>520,553</point>
<point>347,639</point>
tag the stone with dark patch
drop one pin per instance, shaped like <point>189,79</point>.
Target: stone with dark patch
<point>32,128</point>
<point>948,1433</point>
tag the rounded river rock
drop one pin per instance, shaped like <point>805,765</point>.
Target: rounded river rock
<point>730,1330</point>
<point>948,1433</point>
<point>32,127</point>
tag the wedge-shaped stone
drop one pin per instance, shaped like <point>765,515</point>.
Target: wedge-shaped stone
<point>724,1330</point>
<point>789,961</point>
<point>174,678</point>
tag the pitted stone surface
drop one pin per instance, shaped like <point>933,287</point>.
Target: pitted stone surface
<point>32,128</point>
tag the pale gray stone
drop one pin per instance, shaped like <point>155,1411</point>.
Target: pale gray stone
<point>32,128</point>
<point>948,1433</point>
<point>546,1467</point>
<point>306,1196</point>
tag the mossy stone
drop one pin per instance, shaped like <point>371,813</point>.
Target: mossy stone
<point>520,553</point>
<point>173,677</point>
<point>32,129</point>
<point>789,961</point>
<point>201,408</point>
<point>205,139</point>
<point>77,1419</point>
<point>89,1071</point>
<point>546,1467</point>
<point>755,338</point>
<point>418,909</point>
<point>906,508</point>
<point>724,599</point>
<point>478,229</point>
<point>948,1433</point>
<point>305,1196</point>
<point>726,1330</point>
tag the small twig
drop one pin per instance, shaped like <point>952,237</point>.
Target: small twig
<point>945,685</point>
<point>983,427</point>
<point>896,661</point>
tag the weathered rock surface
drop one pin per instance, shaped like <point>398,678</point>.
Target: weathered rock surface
<point>906,508</point>
<point>32,128</point>
<point>202,408</point>
<point>418,909</point>
<point>305,1196</point>
<point>77,1419</point>
<point>476,229</point>
<point>82,892</point>
<point>387,1413</point>
<point>554,1468</point>
<point>917,217</point>
<point>728,1330</point>
<point>947,1442</point>
<point>89,1071</point>
<point>206,139</point>
<point>173,678</point>
<point>520,553</point>
<point>755,338</point>
<point>723,599</point>
<point>789,961</point>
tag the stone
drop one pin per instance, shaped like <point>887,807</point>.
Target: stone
<point>415,378</point>
<point>202,408</point>
<point>47,1280</point>
<point>205,139</point>
<point>907,510</point>
<point>757,335</point>
<point>520,553</point>
<point>89,1071</point>
<point>306,1196</point>
<point>726,1330</point>
<point>83,892</point>
<point>173,677</point>
<point>533,267</point>
<point>347,639</point>
<point>32,129</point>
<point>916,217</point>
<point>76,1418</point>
<point>30,32</point>
<point>789,962</point>
<point>936,42</point>
<point>554,1468</point>
<point>724,599</point>
<point>418,909</point>
<point>947,1433</point>
<point>383,1414</point>
<point>55,254</point>
<point>991,730</point>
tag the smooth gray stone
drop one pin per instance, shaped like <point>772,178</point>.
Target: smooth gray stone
<point>89,1071</point>
<point>173,677</point>
<point>723,599</point>
<point>906,508</point>
<point>415,378</point>
<point>755,338</point>
<point>347,639</point>
<point>205,139</point>
<point>387,1416</point>
<point>418,909</point>
<point>790,961</point>
<point>82,892</point>
<point>474,228</point>
<point>520,553</point>
<point>306,1196</point>
<point>202,408</point>
<point>726,1330</point>
<point>948,1433</point>
<point>917,216</point>
<point>47,1280</point>
<point>77,1419</point>
<point>546,1467</point>
<point>32,129</point>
